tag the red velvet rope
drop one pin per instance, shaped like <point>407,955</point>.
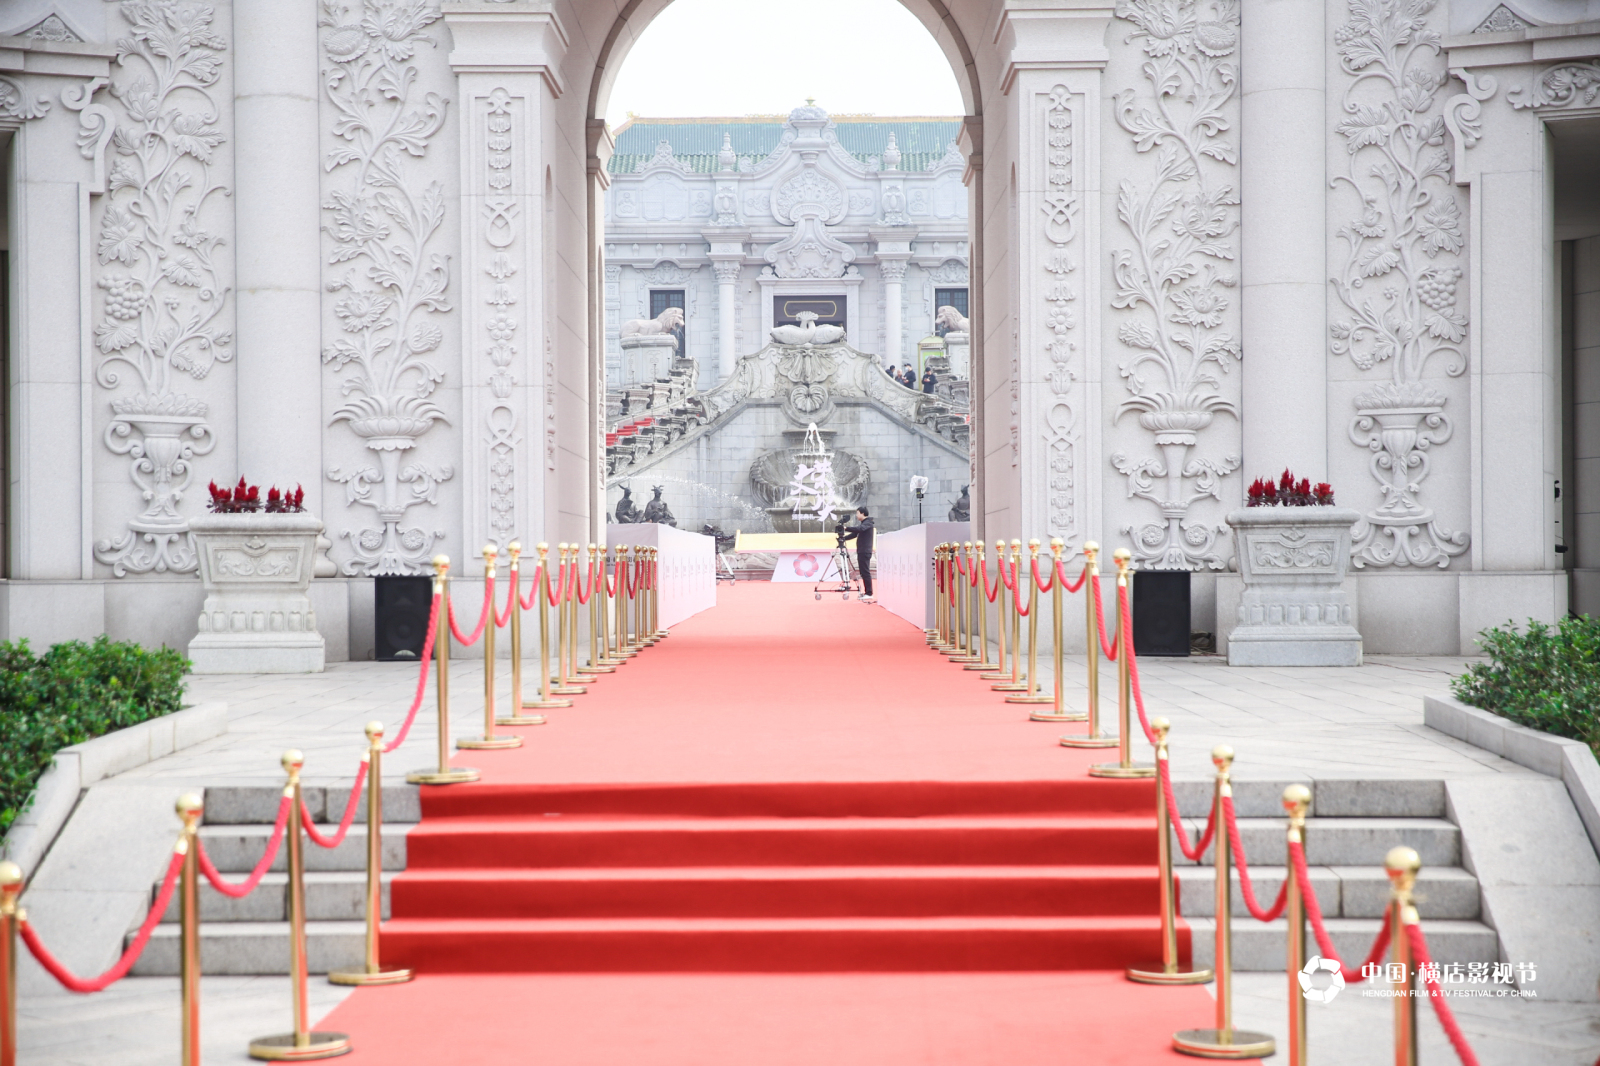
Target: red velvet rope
<point>992,593</point>
<point>1447,1017</point>
<point>344,823</point>
<point>1297,855</point>
<point>584,590</point>
<point>1192,853</point>
<point>1243,866</point>
<point>938,573</point>
<point>1061,576</point>
<point>1010,582</point>
<point>558,591</point>
<point>483,616</point>
<point>1041,585</point>
<point>533,593</point>
<point>422,678</point>
<point>1110,649</point>
<point>960,566</point>
<point>248,885</point>
<point>1133,671</point>
<point>500,620</point>
<point>73,983</point>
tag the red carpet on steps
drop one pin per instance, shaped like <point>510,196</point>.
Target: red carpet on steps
<point>792,796</point>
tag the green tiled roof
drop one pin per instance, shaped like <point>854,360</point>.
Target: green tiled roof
<point>696,141</point>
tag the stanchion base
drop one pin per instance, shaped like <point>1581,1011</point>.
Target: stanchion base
<point>568,690</point>
<point>991,667</point>
<point>521,719</point>
<point>1030,699</point>
<point>963,657</point>
<point>362,977</point>
<point>1088,742</point>
<point>489,743</point>
<point>1209,1043</point>
<point>1156,974</point>
<point>612,663</point>
<point>1011,686</point>
<point>1116,769</point>
<point>597,670</point>
<point>1051,716</point>
<point>282,1048</point>
<point>457,775</point>
<point>546,705</point>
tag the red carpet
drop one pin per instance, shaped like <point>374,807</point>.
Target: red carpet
<point>783,787</point>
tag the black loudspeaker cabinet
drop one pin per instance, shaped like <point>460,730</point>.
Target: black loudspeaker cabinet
<point>1161,612</point>
<point>400,617</point>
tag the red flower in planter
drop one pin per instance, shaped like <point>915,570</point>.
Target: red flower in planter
<point>1287,491</point>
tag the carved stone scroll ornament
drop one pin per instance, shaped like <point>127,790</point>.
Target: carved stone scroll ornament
<point>1563,85</point>
<point>1401,271</point>
<point>384,224</point>
<point>16,104</point>
<point>810,202</point>
<point>160,264</point>
<point>1174,279</point>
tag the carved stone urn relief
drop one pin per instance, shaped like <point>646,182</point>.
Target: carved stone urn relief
<point>257,617</point>
<point>1294,611</point>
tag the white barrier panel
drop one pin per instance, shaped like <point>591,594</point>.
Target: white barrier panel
<point>688,567</point>
<point>904,582</point>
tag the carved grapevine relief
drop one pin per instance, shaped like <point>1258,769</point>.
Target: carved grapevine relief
<point>1564,85</point>
<point>1174,279</point>
<point>164,305</point>
<point>1400,276</point>
<point>384,228</point>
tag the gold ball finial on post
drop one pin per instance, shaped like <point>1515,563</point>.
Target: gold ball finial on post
<point>441,563</point>
<point>374,731</point>
<point>543,549</point>
<point>292,761</point>
<point>1222,757</point>
<point>1056,546</point>
<point>1160,727</point>
<point>1033,546</point>
<point>1297,800</point>
<point>491,552</point>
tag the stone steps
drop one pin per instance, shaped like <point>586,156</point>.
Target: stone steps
<point>1263,946</point>
<point>1445,892</point>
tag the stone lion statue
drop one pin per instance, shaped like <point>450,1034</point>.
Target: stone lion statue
<point>665,322</point>
<point>950,319</point>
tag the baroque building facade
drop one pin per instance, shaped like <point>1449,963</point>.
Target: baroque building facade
<point>369,246</point>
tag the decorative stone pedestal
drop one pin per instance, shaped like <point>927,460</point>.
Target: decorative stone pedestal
<point>958,347</point>
<point>647,358</point>
<point>257,617</point>
<point>1294,611</point>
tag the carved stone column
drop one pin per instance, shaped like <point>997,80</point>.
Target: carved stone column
<point>727,271</point>
<point>507,62</point>
<point>1283,237</point>
<point>278,220</point>
<point>894,249</point>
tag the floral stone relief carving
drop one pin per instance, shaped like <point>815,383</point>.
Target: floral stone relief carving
<point>384,226</point>
<point>1174,280</point>
<point>1399,280</point>
<point>164,311</point>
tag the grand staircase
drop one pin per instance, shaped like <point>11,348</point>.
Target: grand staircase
<point>809,877</point>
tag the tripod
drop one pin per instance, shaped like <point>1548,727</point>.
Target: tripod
<point>838,563</point>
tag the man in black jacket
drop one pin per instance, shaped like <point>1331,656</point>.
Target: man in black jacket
<point>862,533</point>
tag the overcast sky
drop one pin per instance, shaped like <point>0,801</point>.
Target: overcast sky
<point>741,57</point>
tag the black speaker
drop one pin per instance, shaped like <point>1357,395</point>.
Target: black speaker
<point>400,608</point>
<point>1161,612</point>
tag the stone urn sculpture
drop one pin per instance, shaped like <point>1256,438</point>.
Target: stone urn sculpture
<point>257,617</point>
<point>1294,611</point>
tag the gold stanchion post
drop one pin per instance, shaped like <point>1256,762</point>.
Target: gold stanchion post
<point>10,919</point>
<point>1296,800</point>
<point>1091,631</point>
<point>999,672</point>
<point>980,654</point>
<point>303,1043</point>
<point>489,742</point>
<point>941,557</point>
<point>610,643</point>
<point>566,648</point>
<point>1125,766</point>
<point>960,653</point>
<point>541,596</point>
<point>190,808</point>
<point>516,717</point>
<point>623,645</point>
<point>1403,864</point>
<point>1059,712</point>
<point>597,618</point>
<point>445,774</point>
<point>655,596</point>
<point>1223,1042</point>
<point>372,973</point>
<point>1168,972</point>
<point>1031,692</point>
<point>1013,681</point>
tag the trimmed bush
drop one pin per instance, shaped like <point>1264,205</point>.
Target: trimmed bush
<point>74,692</point>
<point>1544,677</point>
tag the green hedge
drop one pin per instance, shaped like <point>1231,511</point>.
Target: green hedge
<point>75,692</point>
<point>1544,677</point>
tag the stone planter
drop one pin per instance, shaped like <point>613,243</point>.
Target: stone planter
<point>1294,611</point>
<point>257,617</point>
